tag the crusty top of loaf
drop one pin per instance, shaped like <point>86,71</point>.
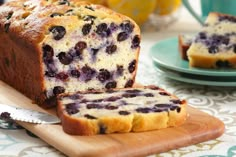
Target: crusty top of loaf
<point>29,20</point>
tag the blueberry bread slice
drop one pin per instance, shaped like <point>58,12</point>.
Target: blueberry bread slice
<point>120,111</point>
<point>215,45</point>
<point>49,47</point>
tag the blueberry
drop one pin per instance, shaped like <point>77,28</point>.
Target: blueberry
<point>110,91</point>
<point>216,39</point>
<point>163,105</point>
<point>88,73</point>
<point>62,76</point>
<point>48,52</point>
<point>72,111</point>
<point>51,68</point>
<point>110,107</point>
<point>84,100</point>
<point>129,95</point>
<point>124,113</point>
<point>95,92</point>
<point>58,32</point>
<point>103,75</point>
<point>75,96</point>
<point>65,58</point>
<point>129,83</point>
<point>6,27</point>
<point>79,47</point>
<point>172,108</point>
<point>50,102</point>
<point>89,7</point>
<point>176,101</point>
<point>110,85</point>
<point>75,73</point>
<point>148,95</point>
<point>5,116</point>
<point>143,110</point>
<point>158,110</point>
<point>89,116</point>
<point>132,66</point>
<point>50,73</point>
<point>223,64</point>
<point>113,98</point>
<point>213,49</point>
<point>63,2</point>
<point>178,109</point>
<point>70,10</point>
<point>111,49</point>
<point>135,42</point>
<point>122,36</point>
<point>122,102</point>
<point>102,30</point>
<point>94,51</point>
<point>56,14</point>
<point>227,18</point>
<point>58,90</point>
<point>153,87</point>
<point>86,28</point>
<point>94,106</point>
<point>133,91</point>
<point>164,94</point>
<point>225,40</point>
<point>127,27</point>
<point>102,129</point>
<point>113,26</point>
<point>202,35</point>
<point>9,15</point>
<point>119,69</point>
<point>72,108</point>
<point>97,100</point>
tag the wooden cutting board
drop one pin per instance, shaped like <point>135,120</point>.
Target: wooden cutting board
<point>199,127</point>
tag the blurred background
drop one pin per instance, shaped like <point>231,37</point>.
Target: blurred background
<point>156,13</point>
<point>159,14</point>
<point>148,14</point>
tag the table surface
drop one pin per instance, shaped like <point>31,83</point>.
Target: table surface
<point>217,101</point>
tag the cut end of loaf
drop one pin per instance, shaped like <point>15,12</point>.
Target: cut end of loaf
<point>98,51</point>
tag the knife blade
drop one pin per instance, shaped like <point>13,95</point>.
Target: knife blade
<point>26,115</point>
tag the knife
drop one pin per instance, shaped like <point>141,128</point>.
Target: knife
<point>8,112</point>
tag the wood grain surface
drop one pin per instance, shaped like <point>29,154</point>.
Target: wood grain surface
<point>199,127</point>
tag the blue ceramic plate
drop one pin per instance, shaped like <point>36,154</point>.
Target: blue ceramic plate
<point>165,53</point>
<point>196,79</point>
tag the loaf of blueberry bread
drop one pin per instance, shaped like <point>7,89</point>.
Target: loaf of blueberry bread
<point>120,111</point>
<point>215,45</point>
<point>49,47</point>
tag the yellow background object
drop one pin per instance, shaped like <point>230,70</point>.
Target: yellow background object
<point>166,7</point>
<point>136,9</point>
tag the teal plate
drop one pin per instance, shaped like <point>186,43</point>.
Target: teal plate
<point>200,80</point>
<point>165,53</point>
